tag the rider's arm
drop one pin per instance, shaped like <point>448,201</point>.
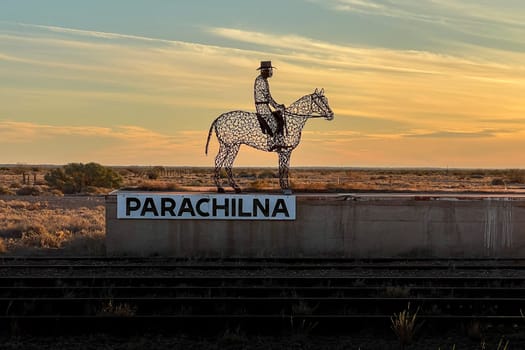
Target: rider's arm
<point>271,101</point>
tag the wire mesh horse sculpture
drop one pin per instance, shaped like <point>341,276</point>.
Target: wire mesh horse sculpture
<point>238,127</point>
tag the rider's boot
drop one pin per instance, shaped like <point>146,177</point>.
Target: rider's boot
<point>271,144</point>
<point>278,143</point>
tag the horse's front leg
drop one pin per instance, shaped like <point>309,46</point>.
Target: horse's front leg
<point>284,167</point>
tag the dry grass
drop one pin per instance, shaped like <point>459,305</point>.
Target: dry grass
<point>32,226</point>
<point>119,310</point>
<point>30,179</point>
<point>157,185</point>
<point>404,326</point>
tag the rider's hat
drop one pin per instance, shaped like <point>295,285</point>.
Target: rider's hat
<point>265,65</point>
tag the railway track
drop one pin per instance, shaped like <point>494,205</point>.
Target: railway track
<point>259,296</point>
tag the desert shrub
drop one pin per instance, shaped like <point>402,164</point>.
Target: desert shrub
<point>497,182</point>
<point>245,174</point>
<point>77,177</point>
<point>96,190</point>
<point>19,204</point>
<point>158,186</point>
<point>87,243</point>
<point>259,185</point>
<point>267,174</point>
<point>124,172</point>
<point>29,191</point>
<point>155,172</point>
<point>40,237</point>
<point>120,310</point>
<point>404,326</point>
<point>5,191</point>
<point>56,192</point>
<point>19,170</point>
<point>33,226</point>
<point>152,175</point>
<point>516,176</point>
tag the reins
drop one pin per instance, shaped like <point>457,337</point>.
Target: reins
<point>304,115</point>
<point>312,101</point>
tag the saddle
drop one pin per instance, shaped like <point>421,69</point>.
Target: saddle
<point>265,128</point>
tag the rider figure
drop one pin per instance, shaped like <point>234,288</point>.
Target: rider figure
<point>263,101</point>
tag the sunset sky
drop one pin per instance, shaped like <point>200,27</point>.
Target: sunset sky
<point>412,83</point>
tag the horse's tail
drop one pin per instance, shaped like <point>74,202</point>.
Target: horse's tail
<point>209,135</point>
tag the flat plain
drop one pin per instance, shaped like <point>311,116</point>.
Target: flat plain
<point>37,219</point>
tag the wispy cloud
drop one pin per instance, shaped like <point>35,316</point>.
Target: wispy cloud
<point>501,20</point>
<point>130,87</point>
<point>119,144</point>
<point>355,57</point>
<point>360,80</point>
<point>302,50</point>
<point>456,134</point>
<point>95,34</point>
<point>28,132</point>
<point>118,67</point>
<point>442,12</point>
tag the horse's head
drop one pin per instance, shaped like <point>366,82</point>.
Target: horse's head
<point>320,105</point>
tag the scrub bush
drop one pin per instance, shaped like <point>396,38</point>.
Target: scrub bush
<point>77,177</point>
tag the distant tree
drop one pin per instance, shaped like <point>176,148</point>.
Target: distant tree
<point>267,174</point>
<point>155,172</point>
<point>76,177</point>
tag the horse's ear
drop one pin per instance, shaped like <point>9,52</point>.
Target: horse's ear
<point>315,92</point>
<point>321,92</point>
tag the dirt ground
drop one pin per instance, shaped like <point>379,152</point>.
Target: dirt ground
<point>14,178</point>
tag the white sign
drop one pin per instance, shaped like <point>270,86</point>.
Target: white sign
<point>205,207</point>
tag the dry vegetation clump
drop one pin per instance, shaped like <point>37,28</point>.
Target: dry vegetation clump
<point>35,217</point>
<point>5,191</point>
<point>32,226</point>
<point>404,326</point>
<point>312,187</point>
<point>119,310</point>
<point>29,191</point>
<point>261,185</point>
<point>30,180</point>
<point>157,185</point>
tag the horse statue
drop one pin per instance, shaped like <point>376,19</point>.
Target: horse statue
<point>239,127</point>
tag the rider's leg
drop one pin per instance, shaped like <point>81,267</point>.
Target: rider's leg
<point>278,139</point>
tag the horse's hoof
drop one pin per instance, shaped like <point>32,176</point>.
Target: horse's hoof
<point>237,190</point>
<point>287,192</point>
<point>220,190</point>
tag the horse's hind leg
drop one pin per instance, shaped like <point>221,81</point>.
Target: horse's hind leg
<point>219,163</point>
<point>228,164</point>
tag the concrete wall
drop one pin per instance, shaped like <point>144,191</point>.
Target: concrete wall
<point>339,225</point>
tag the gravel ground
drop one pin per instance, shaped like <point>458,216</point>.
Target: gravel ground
<point>236,341</point>
<point>266,273</point>
<point>380,340</point>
